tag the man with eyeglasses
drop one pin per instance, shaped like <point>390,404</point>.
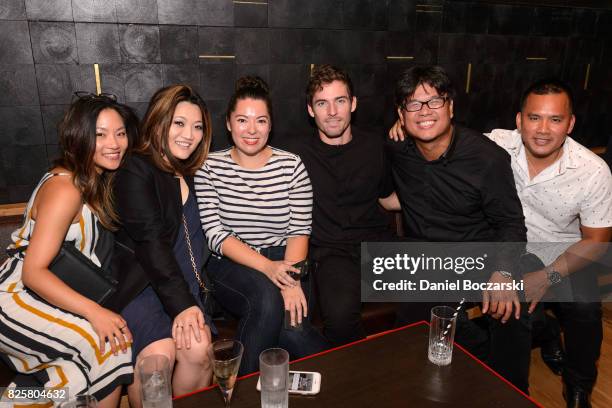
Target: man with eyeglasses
<point>454,185</point>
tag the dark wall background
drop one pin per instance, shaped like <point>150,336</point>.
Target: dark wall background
<point>48,48</point>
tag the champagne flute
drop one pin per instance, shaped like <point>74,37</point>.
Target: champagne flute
<point>225,356</point>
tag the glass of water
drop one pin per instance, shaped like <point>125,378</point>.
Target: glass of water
<point>274,376</point>
<point>155,383</point>
<point>441,335</point>
<point>80,401</point>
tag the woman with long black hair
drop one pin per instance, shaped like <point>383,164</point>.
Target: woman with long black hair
<point>50,334</point>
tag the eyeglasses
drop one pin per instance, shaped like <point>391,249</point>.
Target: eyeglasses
<point>434,103</point>
<point>88,95</point>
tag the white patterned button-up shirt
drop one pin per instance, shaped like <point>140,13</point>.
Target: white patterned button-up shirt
<point>573,191</point>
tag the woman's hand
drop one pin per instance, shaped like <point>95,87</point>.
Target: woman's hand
<point>190,319</point>
<point>295,303</point>
<point>110,326</point>
<point>276,271</point>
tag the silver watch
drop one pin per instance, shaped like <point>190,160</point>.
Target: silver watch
<point>505,274</point>
<point>554,277</point>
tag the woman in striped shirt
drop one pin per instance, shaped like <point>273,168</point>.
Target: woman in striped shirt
<point>255,204</point>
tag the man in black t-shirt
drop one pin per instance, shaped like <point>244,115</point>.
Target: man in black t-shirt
<point>348,172</point>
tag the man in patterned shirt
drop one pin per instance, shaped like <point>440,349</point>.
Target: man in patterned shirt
<point>566,193</point>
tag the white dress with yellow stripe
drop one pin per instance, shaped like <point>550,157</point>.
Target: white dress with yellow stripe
<point>48,346</point>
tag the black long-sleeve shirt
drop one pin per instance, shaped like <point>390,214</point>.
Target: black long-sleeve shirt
<point>347,181</point>
<point>466,195</point>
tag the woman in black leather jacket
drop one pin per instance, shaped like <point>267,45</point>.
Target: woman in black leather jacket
<point>160,223</point>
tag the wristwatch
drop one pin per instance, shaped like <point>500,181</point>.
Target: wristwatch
<point>505,274</point>
<point>553,276</point>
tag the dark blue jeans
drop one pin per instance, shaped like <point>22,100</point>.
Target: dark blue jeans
<point>258,304</point>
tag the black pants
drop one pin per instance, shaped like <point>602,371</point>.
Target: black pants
<point>505,347</point>
<point>580,321</point>
<point>338,287</point>
<point>581,324</point>
<point>583,334</point>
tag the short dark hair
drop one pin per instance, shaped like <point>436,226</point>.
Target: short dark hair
<point>432,75</point>
<point>326,74</point>
<point>548,86</point>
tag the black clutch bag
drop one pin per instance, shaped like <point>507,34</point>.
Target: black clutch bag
<point>82,275</point>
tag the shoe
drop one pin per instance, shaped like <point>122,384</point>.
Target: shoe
<point>553,355</point>
<point>576,397</point>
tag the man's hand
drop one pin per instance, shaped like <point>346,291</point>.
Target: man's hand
<point>396,133</point>
<point>536,285</point>
<point>498,303</point>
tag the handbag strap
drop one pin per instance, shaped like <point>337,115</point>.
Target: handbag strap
<point>192,258</point>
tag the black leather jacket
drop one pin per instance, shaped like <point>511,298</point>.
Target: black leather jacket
<point>148,202</point>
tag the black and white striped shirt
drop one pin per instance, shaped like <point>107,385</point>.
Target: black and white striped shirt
<point>262,207</point>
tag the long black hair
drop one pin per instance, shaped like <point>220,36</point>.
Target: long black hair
<point>77,140</point>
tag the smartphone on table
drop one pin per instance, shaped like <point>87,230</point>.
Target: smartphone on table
<point>301,382</point>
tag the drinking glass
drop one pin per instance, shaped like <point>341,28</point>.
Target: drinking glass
<point>225,356</point>
<point>80,401</point>
<point>155,382</point>
<point>441,335</point>
<point>274,377</point>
